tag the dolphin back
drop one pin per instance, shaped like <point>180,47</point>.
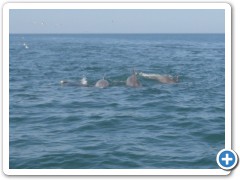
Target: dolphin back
<point>132,81</point>
<point>161,78</point>
<point>102,83</point>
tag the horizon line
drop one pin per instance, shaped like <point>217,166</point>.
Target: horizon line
<point>122,33</point>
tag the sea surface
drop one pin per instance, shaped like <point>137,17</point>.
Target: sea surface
<point>155,126</point>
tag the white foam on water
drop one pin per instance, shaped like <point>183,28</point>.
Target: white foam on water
<point>25,45</point>
<point>84,81</point>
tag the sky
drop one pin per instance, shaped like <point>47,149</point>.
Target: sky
<point>117,21</point>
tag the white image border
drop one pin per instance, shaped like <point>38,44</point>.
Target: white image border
<point>5,44</point>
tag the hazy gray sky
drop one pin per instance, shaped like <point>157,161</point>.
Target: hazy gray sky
<point>117,21</point>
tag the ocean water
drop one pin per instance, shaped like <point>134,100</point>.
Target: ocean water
<point>157,126</point>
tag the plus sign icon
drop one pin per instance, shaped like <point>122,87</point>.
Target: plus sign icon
<point>227,159</point>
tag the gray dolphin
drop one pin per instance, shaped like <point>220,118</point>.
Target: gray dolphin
<point>132,80</point>
<point>83,82</point>
<point>68,83</point>
<point>102,83</point>
<point>161,78</point>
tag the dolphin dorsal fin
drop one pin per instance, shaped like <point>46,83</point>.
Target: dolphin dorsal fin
<point>133,71</point>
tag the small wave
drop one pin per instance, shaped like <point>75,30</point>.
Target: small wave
<point>25,45</point>
<point>84,81</point>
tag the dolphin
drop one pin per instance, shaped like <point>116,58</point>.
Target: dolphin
<point>102,83</point>
<point>63,81</point>
<point>161,78</point>
<point>68,83</point>
<point>83,82</point>
<point>132,80</point>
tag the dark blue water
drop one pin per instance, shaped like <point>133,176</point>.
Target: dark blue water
<point>158,125</point>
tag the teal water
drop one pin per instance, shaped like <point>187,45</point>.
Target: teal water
<point>159,126</point>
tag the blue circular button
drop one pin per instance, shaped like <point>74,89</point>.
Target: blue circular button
<point>227,159</point>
